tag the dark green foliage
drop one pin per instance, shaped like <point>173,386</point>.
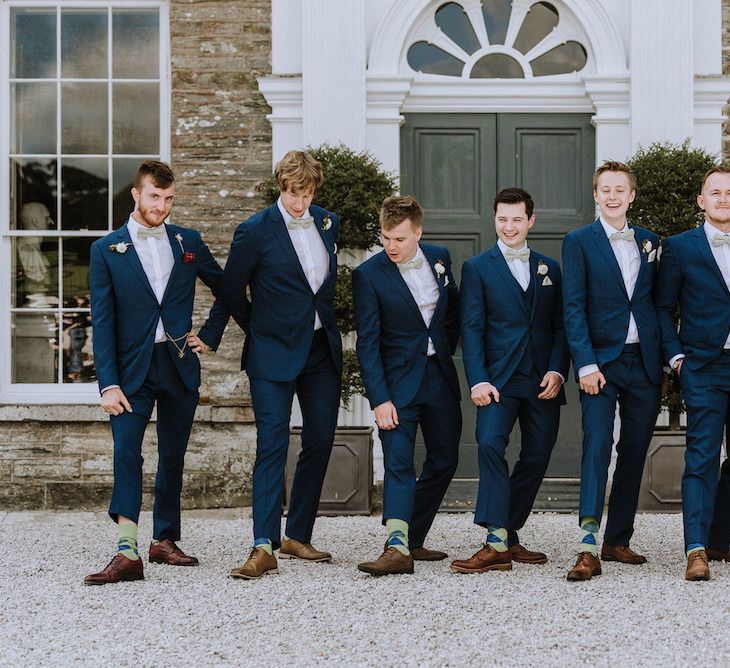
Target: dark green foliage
<point>344,304</point>
<point>351,377</point>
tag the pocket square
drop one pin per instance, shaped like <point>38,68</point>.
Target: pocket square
<point>652,256</point>
<point>547,281</point>
<point>188,257</point>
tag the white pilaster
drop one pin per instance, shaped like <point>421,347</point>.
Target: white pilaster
<point>710,97</point>
<point>611,99</point>
<point>284,96</point>
<point>286,37</point>
<point>385,96</point>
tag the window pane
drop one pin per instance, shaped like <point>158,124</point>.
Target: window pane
<point>33,118</point>
<point>135,44</point>
<point>32,182</point>
<point>425,57</point>
<point>34,346</point>
<point>84,43</point>
<point>568,57</point>
<point>84,121</point>
<point>123,174</point>
<point>454,23</point>
<point>136,117</point>
<point>35,272</point>
<point>78,356</point>
<point>33,43</point>
<point>538,24</point>
<point>84,194</point>
<point>497,66</point>
<point>76,257</point>
<point>496,17</point>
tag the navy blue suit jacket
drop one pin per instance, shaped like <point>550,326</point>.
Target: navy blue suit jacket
<point>392,337</point>
<point>688,274</point>
<point>497,326</point>
<point>279,317</point>
<point>596,306</point>
<point>125,311</point>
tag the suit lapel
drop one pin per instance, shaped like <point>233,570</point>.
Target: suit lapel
<point>703,245</point>
<point>132,259</point>
<point>604,246</point>
<point>282,234</point>
<point>640,238</point>
<point>398,282</point>
<point>177,252</point>
<point>328,243</point>
<point>536,283</point>
<point>500,264</point>
<point>440,281</point>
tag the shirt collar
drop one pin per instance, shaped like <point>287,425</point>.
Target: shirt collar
<point>503,247</point>
<point>610,229</point>
<point>711,231</point>
<point>286,215</point>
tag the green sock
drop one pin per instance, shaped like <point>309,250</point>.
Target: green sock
<point>497,538</point>
<point>265,544</point>
<point>694,549</point>
<point>398,535</point>
<point>588,531</point>
<point>155,541</point>
<point>127,545</point>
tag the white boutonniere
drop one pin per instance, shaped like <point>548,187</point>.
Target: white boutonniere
<point>440,270</point>
<point>646,246</point>
<point>178,237</point>
<point>542,268</point>
<point>652,256</point>
<point>326,223</point>
<point>121,247</point>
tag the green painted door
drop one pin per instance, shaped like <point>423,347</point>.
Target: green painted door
<point>454,164</point>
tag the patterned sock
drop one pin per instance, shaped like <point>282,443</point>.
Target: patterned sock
<point>264,544</point>
<point>127,537</point>
<point>694,547</point>
<point>497,538</point>
<point>398,535</point>
<point>588,531</point>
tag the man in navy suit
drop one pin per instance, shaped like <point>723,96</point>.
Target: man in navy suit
<point>407,320</point>
<point>611,326</point>
<point>695,273</point>
<point>142,281</point>
<point>286,256</point>
<point>516,360</point>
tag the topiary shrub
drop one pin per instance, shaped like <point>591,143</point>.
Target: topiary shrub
<point>354,188</point>
<point>668,180</point>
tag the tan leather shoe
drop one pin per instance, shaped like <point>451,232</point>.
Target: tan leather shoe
<point>258,564</point>
<point>424,554</point>
<point>586,566</point>
<point>697,567</point>
<point>293,549</point>
<point>717,555</point>
<point>119,569</point>
<point>524,556</point>
<point>166,552</point>
<point>486,559</point>
<point>391,562</point>
<point>621,553</point>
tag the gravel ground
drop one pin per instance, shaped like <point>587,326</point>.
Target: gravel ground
<point>331,614</point>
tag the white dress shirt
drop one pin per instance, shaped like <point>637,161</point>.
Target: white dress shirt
<point>422,284</point>
<point>629,261</point>
<point>722,257</point>
<point>311,252</point>
<point>519,269</point>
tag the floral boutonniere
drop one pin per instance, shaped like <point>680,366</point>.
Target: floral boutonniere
<point>326,223</point>
<point>187,256</point>
<point>646,246</point>
<point>542,268</point>
<point>121,247</point>
<point>440,270</point>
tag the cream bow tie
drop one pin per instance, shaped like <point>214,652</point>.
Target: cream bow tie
<point>416,263</point>
<point>522,255</point>
<point>721,240</point>
<point>300,223</point>
<point>626,235</point>
<point>150,232</point>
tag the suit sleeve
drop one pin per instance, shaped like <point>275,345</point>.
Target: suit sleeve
<point>103,320</point>
<point>367,325</point>
<point>473,325</point>
<point>452,310</point>
<point>575,292</point>
<point>559,356</point>
<point>666,294</point>
<point>237,275</point>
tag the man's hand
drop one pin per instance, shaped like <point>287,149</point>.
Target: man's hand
<point>593,383</point>
<point>552,382</point>
<point>114,402</point>
<point>386,416</point>
<point>196,344</point>
<point>484,393</point>
<point>678,367</point>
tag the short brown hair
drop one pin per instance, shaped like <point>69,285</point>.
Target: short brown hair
<point>717,169</point>
<point>614,166</point>
<point>298,171</point>
<point>515,196</point>
<point>160,173</point>
<point>395,210</point>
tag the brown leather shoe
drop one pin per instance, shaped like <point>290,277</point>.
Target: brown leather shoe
<point>391,562</point>
<point>585,568</point>
<point>717,555</point>
<point>524,556</point>
<point>258,564</point>
<point>117,570</point>
<point>166,552</point>
<point>486,559</point>
<point>424,554</point>
<point>697,567</point>
<point>293,549</point>
<point>621,553</point>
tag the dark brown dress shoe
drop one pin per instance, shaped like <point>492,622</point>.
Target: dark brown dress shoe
<point>585,568</point>
<point>486,559</point>
<point>258,564</point>
<point>622,553</point>
<point>166,552</point>
<point>524,556</point>
<point>717,555</point>
<point>424,554</point>
<point>697,567</point>
<point>118,569</point>
<point>293,549</point>
<point>391,562</point>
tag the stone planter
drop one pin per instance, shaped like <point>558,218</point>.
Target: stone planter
<point>661,486</point>
<point>348,484</point>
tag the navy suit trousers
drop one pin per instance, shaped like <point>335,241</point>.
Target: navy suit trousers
<point>437,411</point>
<point>504,500</point>
<point>318,390</point>
<point>638,400</point>
<point>175,411</point>
<point>706,393</point>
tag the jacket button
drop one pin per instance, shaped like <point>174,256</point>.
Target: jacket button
<point>522,349</point>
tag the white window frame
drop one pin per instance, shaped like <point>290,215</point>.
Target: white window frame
<point>58,393</point>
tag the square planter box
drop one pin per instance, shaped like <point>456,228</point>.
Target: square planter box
<point>348,483</point>
<point>661,485</point>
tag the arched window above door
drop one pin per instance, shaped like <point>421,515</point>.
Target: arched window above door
<point>497,39</point>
